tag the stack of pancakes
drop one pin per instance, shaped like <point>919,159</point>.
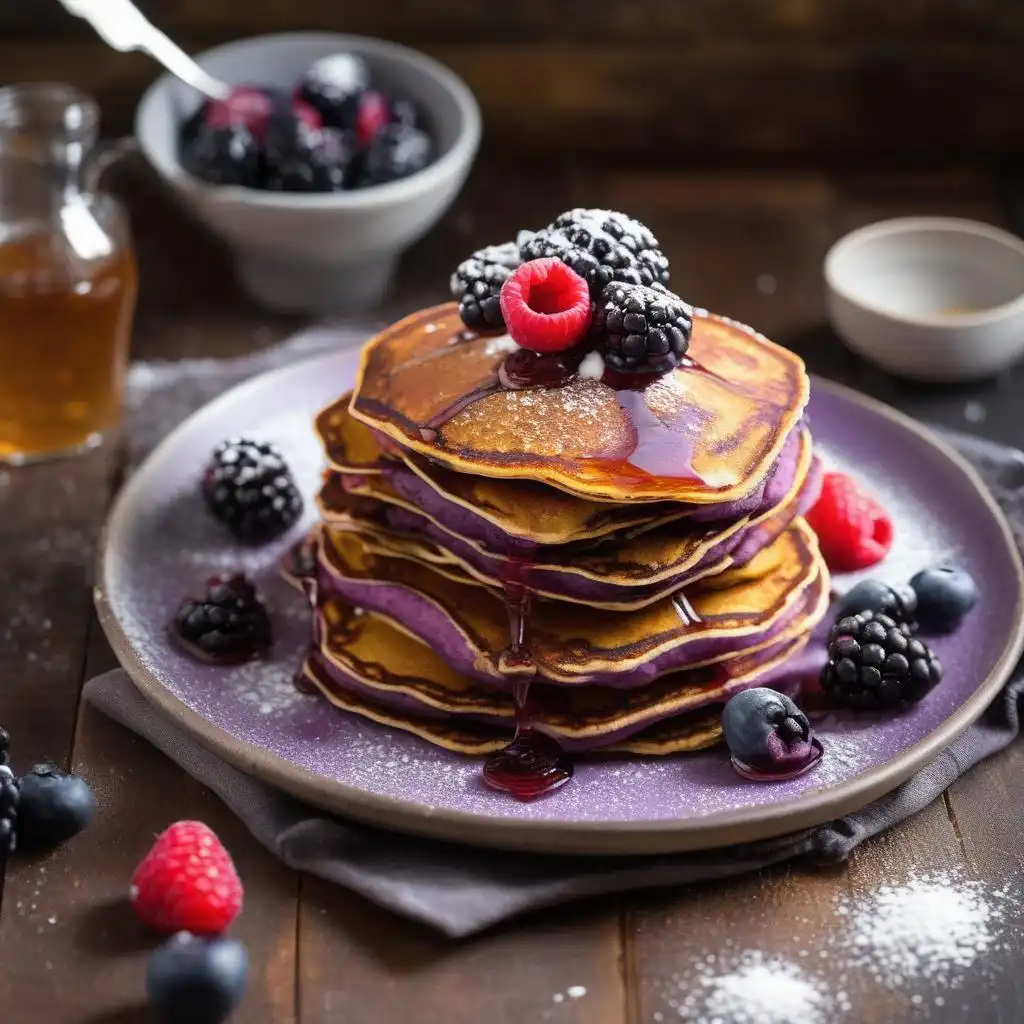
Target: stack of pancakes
<point>637,555</point>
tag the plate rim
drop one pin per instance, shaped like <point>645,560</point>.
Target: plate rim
<point>642,837</point>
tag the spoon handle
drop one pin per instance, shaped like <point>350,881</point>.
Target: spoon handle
<point>123,26</point>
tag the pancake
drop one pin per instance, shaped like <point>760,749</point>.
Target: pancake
<point>500,513</point>
<point>704,433</point>
<point>467,624</point>
<point>617,573</point>
<point>369,657</point>
<point>463,736</point>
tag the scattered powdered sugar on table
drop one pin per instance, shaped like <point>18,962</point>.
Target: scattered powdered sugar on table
<point>932,927</point>
<point>923,936</point>
<point>757,988</point>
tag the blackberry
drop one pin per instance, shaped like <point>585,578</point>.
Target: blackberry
<point>223,155</point>
<point>229,624</point>
<point>405,112</point>
<point>873,662</point>
<point>248,487</point>
<point>9,799</point>
<point>641,330</point>
<point>298,158</point>
<point>333,86</point>
<point>601,246</point>
<point>477,283</point>
<point>5,746</point>
<point>396,151</point>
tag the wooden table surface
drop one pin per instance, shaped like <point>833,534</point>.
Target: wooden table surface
<point>747,244</point>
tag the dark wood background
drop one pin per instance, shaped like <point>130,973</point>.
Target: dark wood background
<point>691,81</point>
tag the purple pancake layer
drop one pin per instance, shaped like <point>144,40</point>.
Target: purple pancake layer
<point>428,620</point>
<point>775,673</point>
<point>465,522</point>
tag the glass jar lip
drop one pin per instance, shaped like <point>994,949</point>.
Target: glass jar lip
<point>54,105</point>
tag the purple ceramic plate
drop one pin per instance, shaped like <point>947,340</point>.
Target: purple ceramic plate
<point>161,544</point>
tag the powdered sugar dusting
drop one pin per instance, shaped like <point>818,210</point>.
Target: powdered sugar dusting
<point>592,367</point>
<point>757,989</point>
<point>499,345</point>
<point>933,927</point>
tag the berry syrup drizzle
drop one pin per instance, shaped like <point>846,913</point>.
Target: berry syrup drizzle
<point>532,764</point>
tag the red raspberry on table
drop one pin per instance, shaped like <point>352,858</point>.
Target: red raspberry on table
<point>853,530</point>
<point>546,306</point>
<point>372,115</point>
<point>187,882</point>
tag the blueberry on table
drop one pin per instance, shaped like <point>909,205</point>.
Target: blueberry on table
<point>944,596</point>
<point>192,980</point>
<point>54,807</point>
<point>898,603</point>
<point>765,731</point>
<point>333,86</point>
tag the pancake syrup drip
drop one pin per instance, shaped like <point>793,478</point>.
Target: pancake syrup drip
<point>532,764</point>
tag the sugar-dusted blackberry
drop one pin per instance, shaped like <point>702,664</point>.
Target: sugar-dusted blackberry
<point>874,662</point>
<point>248,487</point>
<point>641,330</point>
<point>396,151</point>
<point>601,246</point>
<point>9,800</point>
<point>5,746</point>
<point>298,158</point>
<point>226,154</point>
<point>228,625</point>
<point>476,284</point>
<point>405,112</point>
<point>333,86</point>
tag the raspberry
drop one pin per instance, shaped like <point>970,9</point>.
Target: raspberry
<point>187,882</point>
<point>253,108</point>
<point>546,306</point>
<point>853,529</point>
<point>372,115</point>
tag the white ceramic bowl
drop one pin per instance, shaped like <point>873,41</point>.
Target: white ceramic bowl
<point>931,298</point>
<point>315,253</point>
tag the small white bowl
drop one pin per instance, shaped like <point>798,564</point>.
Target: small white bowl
<point>319,252</point>
<point>930,298</point>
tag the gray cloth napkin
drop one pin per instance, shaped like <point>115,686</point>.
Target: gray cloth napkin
<point>463,890</point>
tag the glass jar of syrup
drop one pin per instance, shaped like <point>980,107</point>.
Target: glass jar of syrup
<point>67,278</point>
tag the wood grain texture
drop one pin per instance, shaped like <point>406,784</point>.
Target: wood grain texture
<point>73,949</point>
<point>940,100</point>
<point>359,964</point>
<point>706,23</point>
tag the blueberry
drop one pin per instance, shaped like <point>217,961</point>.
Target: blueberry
<point>899,603</point>
<point>333,86</point>
<point>765,730</point>
<point>944,596</point>
<point>193,980</point>
<point>54,806</point>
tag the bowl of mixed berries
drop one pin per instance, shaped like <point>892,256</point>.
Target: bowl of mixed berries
<point>331,156</point>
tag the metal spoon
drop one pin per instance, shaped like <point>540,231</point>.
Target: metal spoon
<point>123,26</point>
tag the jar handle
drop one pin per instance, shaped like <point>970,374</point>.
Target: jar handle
<point>104,157</point>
